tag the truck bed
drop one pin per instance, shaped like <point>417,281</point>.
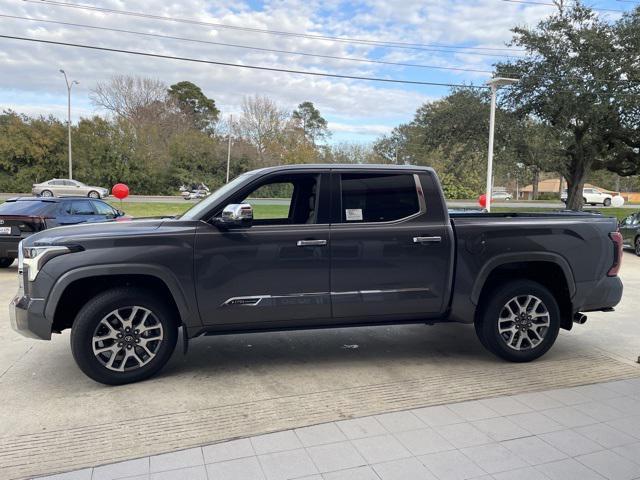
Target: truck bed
<point>576,243</point>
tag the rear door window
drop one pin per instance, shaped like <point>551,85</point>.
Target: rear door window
<point>369,197</point>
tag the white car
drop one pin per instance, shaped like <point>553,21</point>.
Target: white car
<point>59,187</point>
<point>591,196</point>
<point>500,195</point>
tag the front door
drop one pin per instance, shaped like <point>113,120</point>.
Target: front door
<point>390,251</point>
<point>276,270</point>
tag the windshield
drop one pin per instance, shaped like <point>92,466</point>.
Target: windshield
<point>199,208</point>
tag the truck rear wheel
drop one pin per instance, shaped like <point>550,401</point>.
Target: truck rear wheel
<point>519,321</point>
<point>123,335</point>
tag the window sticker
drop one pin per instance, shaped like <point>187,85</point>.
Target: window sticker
<point>353,214</point>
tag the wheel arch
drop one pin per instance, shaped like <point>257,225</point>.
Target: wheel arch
<point>77,286</point>
<point>548,269</point>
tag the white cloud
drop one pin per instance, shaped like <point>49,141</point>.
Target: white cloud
<point>30,70</point>
<point>361,129</point>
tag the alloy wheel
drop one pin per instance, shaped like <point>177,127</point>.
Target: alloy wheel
<point>523,322</point>
<point>127,338</point>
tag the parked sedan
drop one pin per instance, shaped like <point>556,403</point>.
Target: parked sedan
<point>67,188</point>
<point>21,217</point>
<point>630,230</point>
<point>500,195</point>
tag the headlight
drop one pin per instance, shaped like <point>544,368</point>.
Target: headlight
<point>34,258</point>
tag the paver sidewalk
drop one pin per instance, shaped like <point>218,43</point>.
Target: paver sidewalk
<point>582,433</point>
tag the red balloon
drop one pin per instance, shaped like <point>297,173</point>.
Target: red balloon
<point>120,191</point>
<point>482,200</point>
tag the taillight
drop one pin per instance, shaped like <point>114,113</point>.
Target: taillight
<point>616,238</point>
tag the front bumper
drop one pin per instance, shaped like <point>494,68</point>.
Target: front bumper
<point>27,317</point>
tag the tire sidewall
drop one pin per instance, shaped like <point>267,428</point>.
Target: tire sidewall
<point>46,193</point>
<point>93,194</point>
<point>95,310</point>
<point>498,299</point>
<point>636,246</point>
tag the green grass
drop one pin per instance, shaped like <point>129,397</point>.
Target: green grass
<point>158,209</point>
<point>619,213</point>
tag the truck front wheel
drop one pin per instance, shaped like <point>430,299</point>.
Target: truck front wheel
<point>519,321</point>
<point>123,335</point>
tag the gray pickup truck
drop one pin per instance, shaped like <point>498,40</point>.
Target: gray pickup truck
<point>353,245</point>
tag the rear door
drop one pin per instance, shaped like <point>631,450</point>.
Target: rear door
<point>391,246</point>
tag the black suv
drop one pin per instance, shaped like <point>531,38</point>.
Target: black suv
<point>352,245</point>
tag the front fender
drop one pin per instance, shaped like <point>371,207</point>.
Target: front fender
<point>188,313</point>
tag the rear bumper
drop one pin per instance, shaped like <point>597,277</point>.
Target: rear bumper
<point>606,294</point>
<point>9,246</point>
<point>27,317</point>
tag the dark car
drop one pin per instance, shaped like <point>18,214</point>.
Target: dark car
<point>630,230</point>
<point>21,217</point>
<point>354,245</point>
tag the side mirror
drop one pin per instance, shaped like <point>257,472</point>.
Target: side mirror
<point>236,215</point>
<point>119,213</point>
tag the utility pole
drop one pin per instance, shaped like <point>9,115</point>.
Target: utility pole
<point>69,86</point>
<point>229,146</point>
<point>494,83</point>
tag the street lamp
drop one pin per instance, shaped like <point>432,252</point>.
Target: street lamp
<point>69,86</point>
<point>494,83</point>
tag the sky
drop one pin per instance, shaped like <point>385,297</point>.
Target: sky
<point>461,34</point>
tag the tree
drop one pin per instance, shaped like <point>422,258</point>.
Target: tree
<point>31,150</point>
<point>135,99</point>
<point>537,148</point>
<point>577,78</point>
<point>308,118</point>
<point>195,105</point>
<point>262,123</point>
<point>451,135</point>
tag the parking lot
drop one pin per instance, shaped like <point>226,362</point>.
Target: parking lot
<point>56,419</point>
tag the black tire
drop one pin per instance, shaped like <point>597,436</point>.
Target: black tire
<point>584,200</point>
<point>6,262</point>
<point>607,202</point>
<point>93,194</point>
<point>90,317</point>
<point>46,193</point>
<point>636,246</point>
<point>492,307</point>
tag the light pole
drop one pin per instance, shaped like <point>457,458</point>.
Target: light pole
<point>69,86</point>
<point>494,83</point>
<point>229,146</point>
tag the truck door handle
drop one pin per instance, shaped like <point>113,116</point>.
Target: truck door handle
<point>312,243</point>
<point>423,240</point>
